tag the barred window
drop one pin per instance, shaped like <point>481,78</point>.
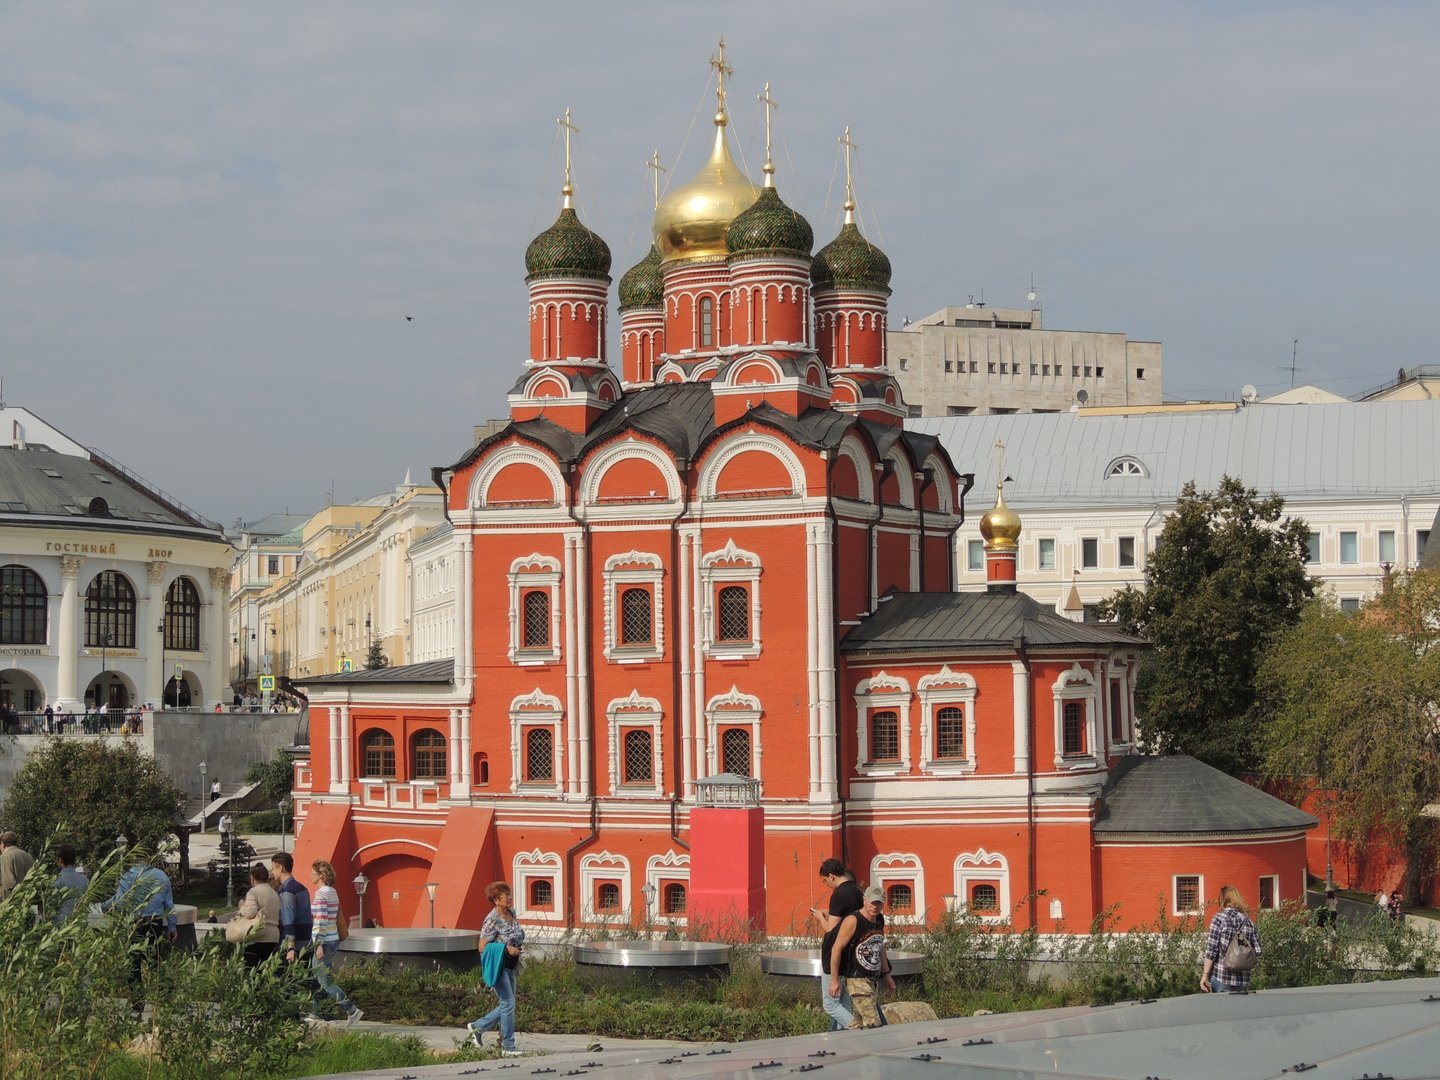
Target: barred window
<point>428,752</point>
<point>182,615</point>
<point>984,898</point>
<point>1074,728</point>
<point>542,893</point>
<point>539,755</point>
<point>636,621</point>
<point>639,757</point>
<point>23,604</point>
<point>607,897</point>
<point>735,749</point>
<point>733,623</point>
<point>950,733</point>
<point>885,736</point>
<point>674,899</point>
<point>537,619</point>
<point>377,749</point>
<point>1187,893</point>
<point>110,612</point>
<point>900,899</point>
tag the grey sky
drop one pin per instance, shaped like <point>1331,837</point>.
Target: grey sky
<point>215,218</point>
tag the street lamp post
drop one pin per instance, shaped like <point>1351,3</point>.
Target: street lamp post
<point>100,685</point>
<point>281,807</point>
<point>649,890</point>
<point>430,887</point>
<point>361,883</point>
<point>230,867</point>
<point>204,778</point>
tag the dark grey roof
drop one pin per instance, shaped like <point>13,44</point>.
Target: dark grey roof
<point>911,622</point>
<point>38,483</point>
<point>1431,559</point>
<point>431,671</point>
<point>1177,794</point>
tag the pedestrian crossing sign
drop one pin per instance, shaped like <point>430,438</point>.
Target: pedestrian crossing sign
<point>346,665</point>
<point>267,684</point>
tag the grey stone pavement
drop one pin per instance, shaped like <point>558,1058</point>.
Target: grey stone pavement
<point>448,1039</point>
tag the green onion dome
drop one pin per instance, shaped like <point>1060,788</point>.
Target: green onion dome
<point>769,227</point>
<point>567,249</point>
<point>850,262</point>
<point>642,285</point>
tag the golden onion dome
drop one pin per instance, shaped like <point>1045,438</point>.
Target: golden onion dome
<point>692,220</point>
<point>1000,526</point>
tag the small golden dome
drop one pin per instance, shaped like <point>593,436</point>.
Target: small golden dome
<point>1000,526</point>
<point>692,220</point>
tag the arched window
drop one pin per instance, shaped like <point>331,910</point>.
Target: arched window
<point>1125,466</point>
<point>377,754</point>
<point>1074,728</point>
<point>733,623</point>
<point>182,615</point>
<point>639,757</point>
<point>482,770</point>
<point>537,619</point>
<point>110,612</point>
<point>607,897</point>
<point>707,321</point>
<point>984,898</point>
<point>539,755</point>
<point>542,893</point>
<point>885,736</point>
<point>427,750</point>
<point>674,899</point>
<point>950,733</point>
<point>636,621</point>
<point>735,749</point>
<point>23,603</point>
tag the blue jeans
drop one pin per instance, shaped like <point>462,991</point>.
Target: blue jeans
<point>503,1014</point>
<point>320,969</point>
<point>840,1009</point>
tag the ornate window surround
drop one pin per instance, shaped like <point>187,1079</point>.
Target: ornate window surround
<point>535,709</point>
<point>632,712</point>
<point>1076,684</point>
<point>730,565</point>
<point>666,868</point>
<point>534,571</point>
<point>732,709</point>
<point>544,865</point>
<point>604,866</point>
<point>946,687</point>
<point>1118,671</point>
<point>901,868</point>
<point>882,691</point>
<point>983,867</point>
<point>642,568</point>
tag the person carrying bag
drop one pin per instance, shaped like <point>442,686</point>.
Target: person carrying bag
<point>1232,948</point>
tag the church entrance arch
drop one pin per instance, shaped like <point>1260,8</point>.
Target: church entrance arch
<point>21,691</point>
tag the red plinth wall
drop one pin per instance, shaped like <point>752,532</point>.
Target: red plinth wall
<point>727,867</point>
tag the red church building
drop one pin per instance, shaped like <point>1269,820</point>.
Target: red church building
<point>730,557</point>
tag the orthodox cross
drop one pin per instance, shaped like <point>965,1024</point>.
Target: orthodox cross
<point>770,106</point>
<point>656,168</point>
<point>1000,470</point>
<point>722,69</point>
<point>569,128</point>
<point>850,147</point>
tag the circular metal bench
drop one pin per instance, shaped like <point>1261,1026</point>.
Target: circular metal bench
<point>414,947</point>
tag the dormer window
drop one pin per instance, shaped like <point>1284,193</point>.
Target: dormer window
<point>1125,466</point>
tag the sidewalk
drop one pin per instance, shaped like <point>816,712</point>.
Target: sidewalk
<point>448,1039</point>
<point>206,846</point>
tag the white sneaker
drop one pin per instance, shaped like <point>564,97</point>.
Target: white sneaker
<point>355,1016</point>
<point>477,1039</point>
<point>511,1053</point>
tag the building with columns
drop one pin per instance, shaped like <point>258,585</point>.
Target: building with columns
<point>728,558</point>
<point>114,593</point>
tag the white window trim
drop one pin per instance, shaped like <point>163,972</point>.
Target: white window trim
<point>901,868</point>
<point>534,571</point>
<point>877,693</point>
<point>980,867</point>
<point>671,867</point>
<point>732,709</point>
<point>635,712</point>
<point>604,866</point>
<point>937,691</point>
<point>1275,892</point>
<point>729,566</point>
<point>1175,894</point>
<point>624,571</point>
<point>1039,553</point>
<point>537,864</point>
<point>974,566</point>
<point>1118,671</point>
<point>535,709</point>
<point>1077,684</point>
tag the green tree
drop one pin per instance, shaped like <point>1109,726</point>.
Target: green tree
<point>375,658</point>
<point>92,790</point>
<point>1351,704</point>
<point>276,777</point>
<point>1227,576</point>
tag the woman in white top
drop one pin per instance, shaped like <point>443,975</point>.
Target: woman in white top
<point>325,936</point>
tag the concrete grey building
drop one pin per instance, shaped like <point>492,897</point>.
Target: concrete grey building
<point>978,360</point>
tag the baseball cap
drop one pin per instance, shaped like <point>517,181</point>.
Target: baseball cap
<point>874,894</point>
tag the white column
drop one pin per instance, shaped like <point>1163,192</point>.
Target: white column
<point>825,660</point>
<point>337,779</point>
<point>217,652</point>
<point>582,651</point>
<point>152,632</point>
<point>688,608</point>
<point>467,766</point>
<point>347,746</point>
<point>697,697</point>
<point>812,663</point>
<point>464,653</point>
<point>573,764</point>
<point>67,691</point>
<point>1098,733</point>
<point>1021,694</point>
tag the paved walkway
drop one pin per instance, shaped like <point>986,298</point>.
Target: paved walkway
<point>448,1039</point>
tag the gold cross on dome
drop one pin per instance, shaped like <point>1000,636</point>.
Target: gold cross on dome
<point>569,128</point>
<point>1000,468</point>
<point>770,106</point>
<point>656,169</point>
<point>722,70</point>
<point>850,146</point>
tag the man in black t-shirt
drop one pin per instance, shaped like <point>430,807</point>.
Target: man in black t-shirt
<point>845,899</point>
<point>858,958</point>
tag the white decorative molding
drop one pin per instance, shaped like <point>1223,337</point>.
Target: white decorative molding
<point>854,451</point>
<point>901,868</point>
<point>750,442</point>
<point>670,867</point>
<point>981,867</point>
<point>729,565</point>
<point>610,456</point>
<point>536,864</point>
<point>882,691</point>
<point>946,688</point>
<point>536,709</point>
<point>732,709</point>
<point>597,868</point>
<point>635,712</point>
<point>515,455</point>
<point>534,571</point>
<point>1076,684</point>
<point>634,568</point>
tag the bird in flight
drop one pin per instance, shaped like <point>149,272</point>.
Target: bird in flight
<point>409,318</point>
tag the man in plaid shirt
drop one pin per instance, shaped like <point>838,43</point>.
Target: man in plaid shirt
<point>1232,918</point>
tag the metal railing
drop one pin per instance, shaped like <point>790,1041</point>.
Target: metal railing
<point>164,498</point>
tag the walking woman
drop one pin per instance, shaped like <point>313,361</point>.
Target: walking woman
<point>502,929</point>
<point>1231,921</point>
<point>325,937</point>
<point>262,899</point>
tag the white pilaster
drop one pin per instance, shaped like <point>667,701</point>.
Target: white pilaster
<point>582,621</point>
<point>825,626</point>
<point>574,767</point>
<point>1021,694</point>
<point>152,632</point>
<point>689,610</point>
<point>217,649</point>
<point>67,692</point>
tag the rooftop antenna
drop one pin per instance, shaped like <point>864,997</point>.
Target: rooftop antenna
<point>2,391</point>
<point>1291,367</point>
<point>1032,290</point>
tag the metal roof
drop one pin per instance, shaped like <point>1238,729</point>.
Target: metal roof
<point>911,622</point>
<point>1342,450</point>
<point>1177,794</point>
<point>431,671</point>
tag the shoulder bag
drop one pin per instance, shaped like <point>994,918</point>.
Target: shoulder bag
<point>1240,955</point>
